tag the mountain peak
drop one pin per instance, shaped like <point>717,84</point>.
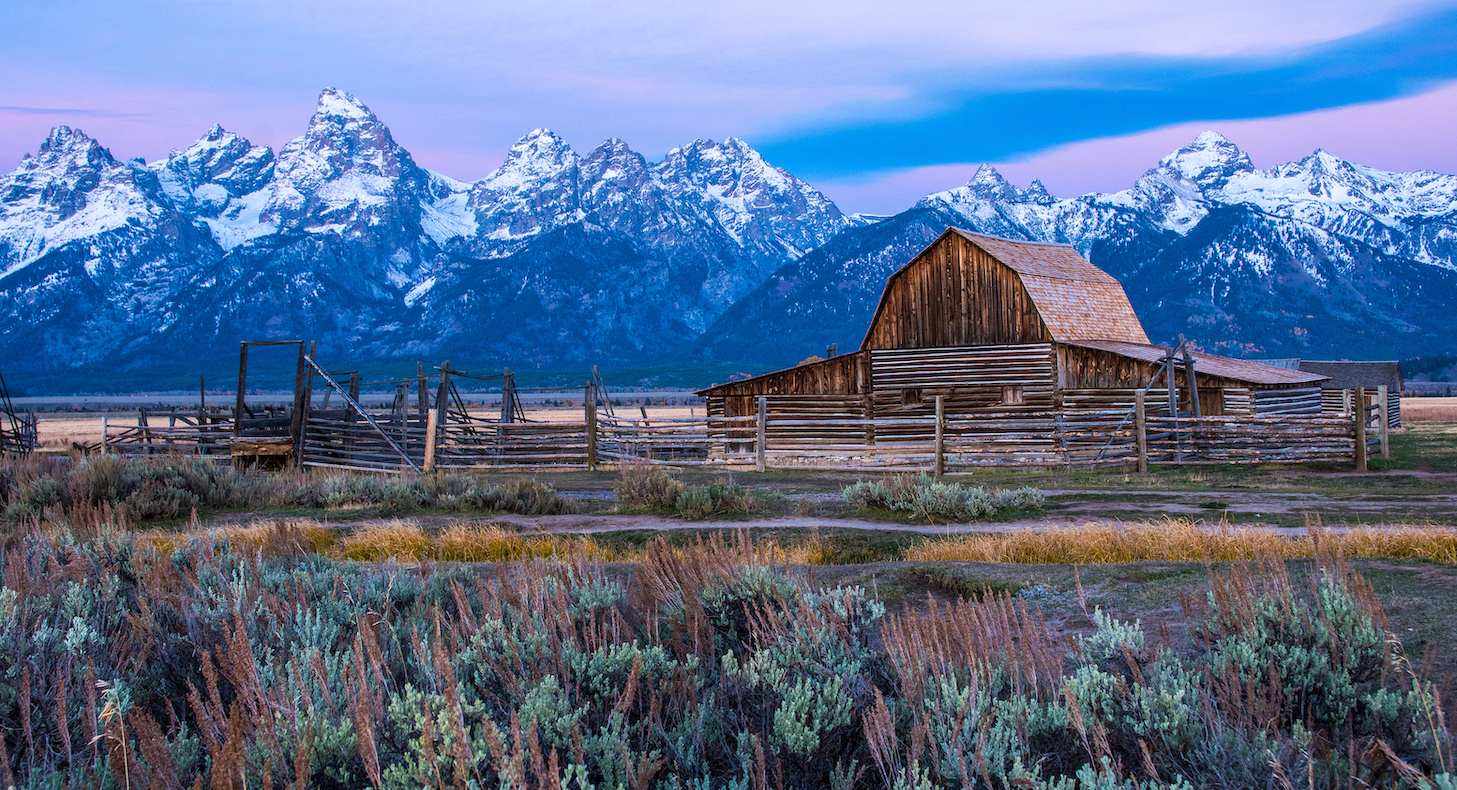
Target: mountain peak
<point>64,140</point>
<point>540,143</point>
<point>988,184</point>
<point>541,150</point>
<point>334,103</point>
<point>1209,161</point>
<point>219,157</point>
<point>1037,193</point>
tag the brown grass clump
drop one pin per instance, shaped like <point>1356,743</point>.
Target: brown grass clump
<point>397,540</point>
<point>1180,541</point>
<point>272,538</point>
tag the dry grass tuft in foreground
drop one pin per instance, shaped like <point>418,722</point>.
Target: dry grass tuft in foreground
<point>400,540</point>
<point>287,537</point>
<point>1182,541</point>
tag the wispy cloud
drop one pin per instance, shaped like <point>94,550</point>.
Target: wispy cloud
<point>1021,109</point>
<point>77,112</point>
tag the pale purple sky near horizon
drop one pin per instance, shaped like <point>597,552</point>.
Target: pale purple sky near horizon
<point>458,82</point>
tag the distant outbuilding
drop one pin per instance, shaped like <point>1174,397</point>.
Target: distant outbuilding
<point>1344,377</point>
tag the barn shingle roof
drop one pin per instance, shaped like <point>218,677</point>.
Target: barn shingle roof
<point>1076,299</point>
<point>1348,374</point>
<point>1224,367</point>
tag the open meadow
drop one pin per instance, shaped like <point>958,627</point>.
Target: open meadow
<point>170,623</point>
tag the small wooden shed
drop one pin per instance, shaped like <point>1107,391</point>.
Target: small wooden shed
<point>1345,376</point>
<point>998,325</point>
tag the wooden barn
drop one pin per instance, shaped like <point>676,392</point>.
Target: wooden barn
<point>995,326</point>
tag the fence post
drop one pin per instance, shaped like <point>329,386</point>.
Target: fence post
<point>940,437</point>
<point>590,404</point>
<point>103,434</point>
<point>242,388</point>
<point>306,405</point>
<point>1359,415</point>
<point>146,429</point>
<point>759,457</point>
<point>432,419</point>
<point>1383,406</point>
<point>1140,429</point>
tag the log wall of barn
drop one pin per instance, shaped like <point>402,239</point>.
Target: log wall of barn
<point>955,294</point>
<point>839,376</point>
<point>1294,400</point>
<point>1000,378</point>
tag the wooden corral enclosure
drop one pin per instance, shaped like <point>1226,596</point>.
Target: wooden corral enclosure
<point>1030,354</point>
<point>425,426</point>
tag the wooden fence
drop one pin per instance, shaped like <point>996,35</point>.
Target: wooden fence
<point>175,432</point>
<point>406,440</point>
<point>18,434</point>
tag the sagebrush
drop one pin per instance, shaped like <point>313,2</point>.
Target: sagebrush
<point>68,490</point>
<point>931,499</point>
<point>255,663</point>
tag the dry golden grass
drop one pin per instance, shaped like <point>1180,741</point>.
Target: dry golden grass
<point>272,537</point>
<point>1181,541</point>
<point>404,541</point>
<point>1429,409</point>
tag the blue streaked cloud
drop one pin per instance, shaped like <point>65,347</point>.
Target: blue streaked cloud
<point>1015,110</point>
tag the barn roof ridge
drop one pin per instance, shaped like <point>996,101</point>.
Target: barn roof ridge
<point>975,235</point>
<point>1040,259</point>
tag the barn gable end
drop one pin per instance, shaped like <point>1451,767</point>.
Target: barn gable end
<point>966,289</point>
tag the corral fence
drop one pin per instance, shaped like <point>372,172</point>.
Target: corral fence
<point>18,434</point>
<point>177,431</point>
<point>420,433</point>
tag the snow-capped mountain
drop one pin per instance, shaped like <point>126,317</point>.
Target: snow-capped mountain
<point>1319,257</point>
<point>554,258</point>
<point>559,259</point>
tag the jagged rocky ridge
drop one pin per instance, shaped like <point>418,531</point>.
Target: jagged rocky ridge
<point>554,259</point>
<point>1315,258</point>
<point>558,259</point>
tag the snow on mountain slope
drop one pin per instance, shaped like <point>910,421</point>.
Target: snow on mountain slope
<point>1412,215</point>
<point>70,191</point>
<point>1319,256</point>
<point>217,168</point>
<point>343,237</point>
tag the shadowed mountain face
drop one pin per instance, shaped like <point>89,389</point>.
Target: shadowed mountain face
<point>560,260</point>
<point>554,259</point>
<point>1316,258</point>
